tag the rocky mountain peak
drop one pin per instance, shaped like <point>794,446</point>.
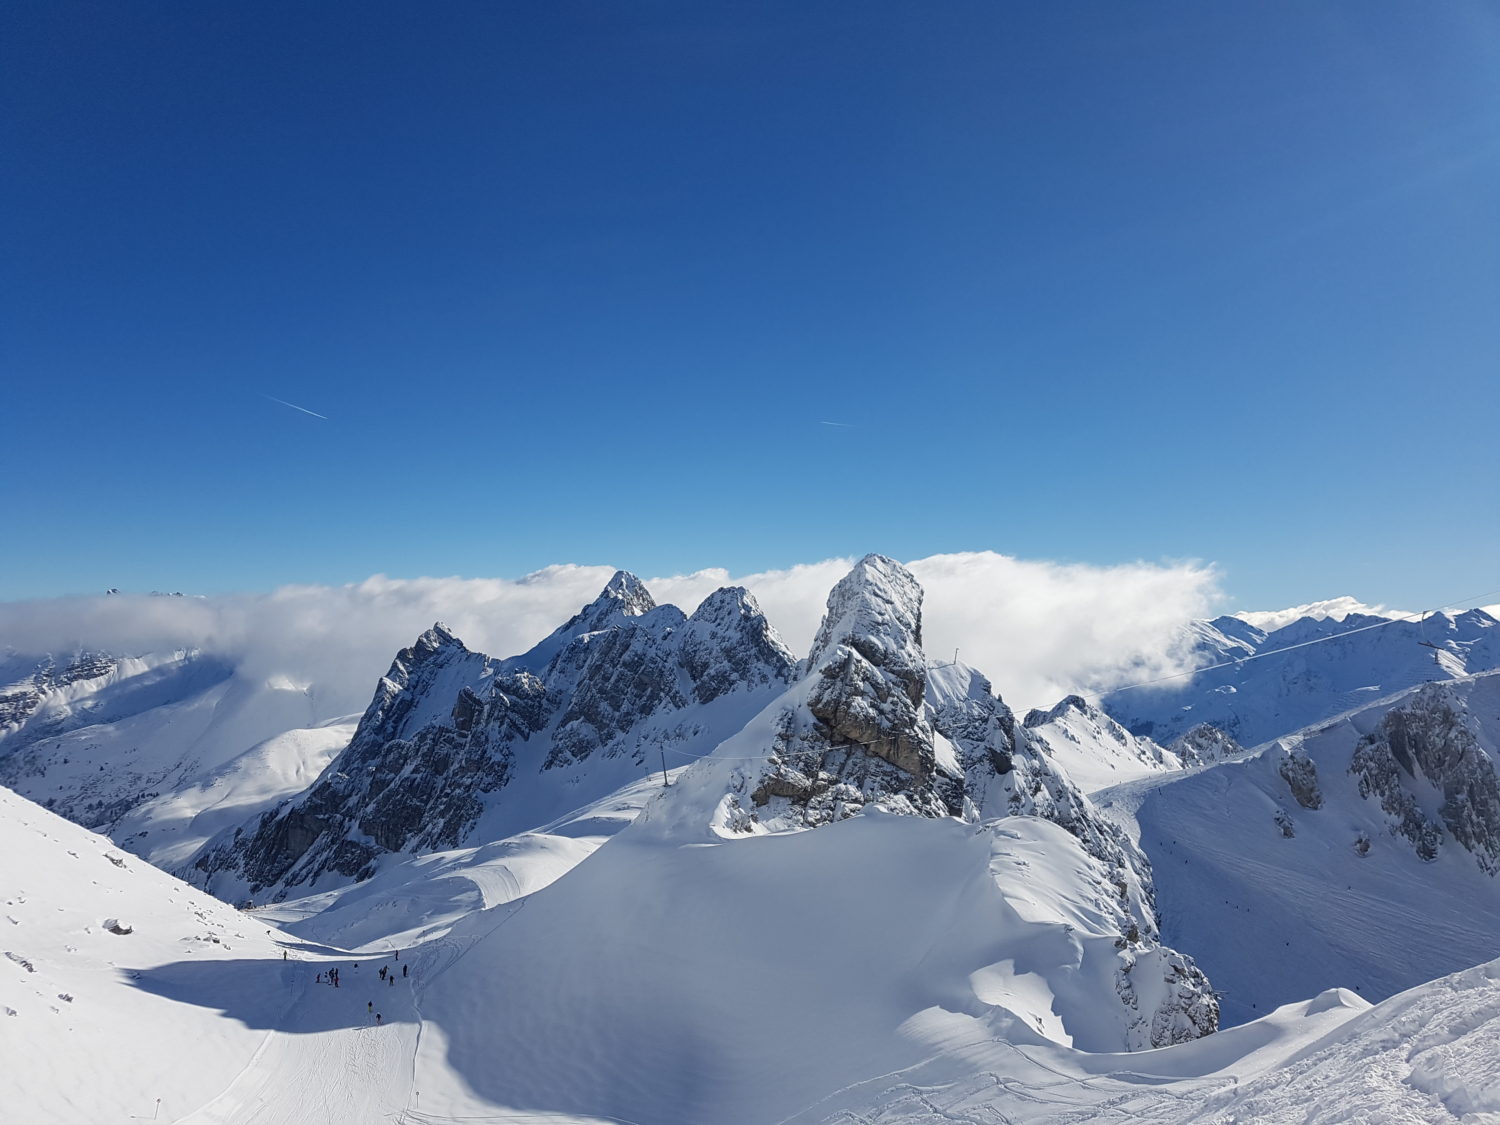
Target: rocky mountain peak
<point>875,609</point>
<point>1036,716</point>
<point>630,592</point>
<point>867,667</point>
<point>449,732</point>
<point>728,642</point>
<point>434,640</point>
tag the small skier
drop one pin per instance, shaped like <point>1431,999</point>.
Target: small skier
<point>403,970</point>
<point>369,1005</point>
<point>393,980</point>
<point>377,1019</point>
<point>382,972</point>
<point>319,979</point>
<point>283,954</point>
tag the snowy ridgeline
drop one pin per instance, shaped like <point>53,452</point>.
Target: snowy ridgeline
<point>1261,685</point>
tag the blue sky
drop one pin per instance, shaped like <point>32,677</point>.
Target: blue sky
<point>583,283</point>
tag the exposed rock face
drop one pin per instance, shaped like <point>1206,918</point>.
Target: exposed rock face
<point>449,731</point>
<point>1424,752</point>
<point>859,733</point>
<point>1186,1010</point>
<point>1301,776</point>
<point>869,667</point>
<point>1205,744</point>
<point>21,700</point>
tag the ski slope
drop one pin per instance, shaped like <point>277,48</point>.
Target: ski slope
<point>882,970</point>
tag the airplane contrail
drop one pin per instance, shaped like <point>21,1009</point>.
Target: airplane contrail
<point>840,425</point>
<point>294,406</point>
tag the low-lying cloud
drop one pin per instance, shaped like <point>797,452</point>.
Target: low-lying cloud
<point>1336,608</point>
<point>1038,629</point>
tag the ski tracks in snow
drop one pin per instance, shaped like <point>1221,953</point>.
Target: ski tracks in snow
<point>305,1069</point>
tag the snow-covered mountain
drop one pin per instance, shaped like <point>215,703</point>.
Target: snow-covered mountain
<point>92,1026</point>
<point>458,747</point>
<point>1304,672</point>
<point>161,751</point>
<point>1361,851</point>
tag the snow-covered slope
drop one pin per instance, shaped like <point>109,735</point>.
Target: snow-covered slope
<point>1094,750</point>
<point>1430,1056</point>
<point>884,969</point>
<point>161,752</point>
<point>84,1032</point>
<point>1360,853</point>
<point>1293,684</point>
<point>879,968</point>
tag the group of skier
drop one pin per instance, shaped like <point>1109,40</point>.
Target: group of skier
<point>387,974</point>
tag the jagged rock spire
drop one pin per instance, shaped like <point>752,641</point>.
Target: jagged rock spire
<point>869,668</point>
<point>877,609</point>
<point>630,592</point>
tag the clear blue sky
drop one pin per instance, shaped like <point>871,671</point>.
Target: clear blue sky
<point>583,281</point>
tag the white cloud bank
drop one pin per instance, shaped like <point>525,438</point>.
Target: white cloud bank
<point>1336,608</point>
<point>1037,629</point>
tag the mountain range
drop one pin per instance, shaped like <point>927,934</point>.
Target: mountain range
<point>658,868</point>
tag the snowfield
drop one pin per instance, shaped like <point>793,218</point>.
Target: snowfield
<point>884,969</point>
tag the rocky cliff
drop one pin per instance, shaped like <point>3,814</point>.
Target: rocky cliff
<point>1432,775</point>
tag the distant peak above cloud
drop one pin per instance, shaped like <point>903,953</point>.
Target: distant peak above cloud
<point>1337,608</point>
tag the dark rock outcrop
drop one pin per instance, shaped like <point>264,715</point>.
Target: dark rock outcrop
<point>1424,753</point>
<point>1205,744</point>
<point>1301,777</point>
